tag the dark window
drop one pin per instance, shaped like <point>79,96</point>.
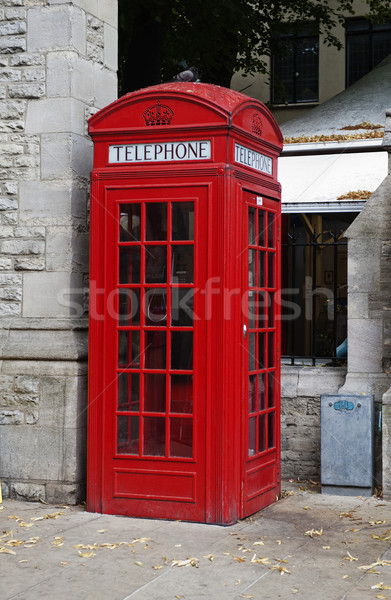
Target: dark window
<point>295,66</point>
<point>314,288</point>
<point>367,44</point>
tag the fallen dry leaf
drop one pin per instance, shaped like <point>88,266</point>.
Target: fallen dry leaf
<point>258,543</point>
<point>314,532</point>
<point>210,557</point>
<point>345,576</point>
<point>158,567</point>
<point>381,597</point>
<point>378,563</point>
<point>48,516</point>
<point>138,563</point>
<point>4,550</point>
<point>246,596</point>
<point>87,554</point>
<point>141,540</point>
<point>190,562</point>
<point>240,559</point>
<point>373,523</point>
<point>281,569</point>
<point>349,557</point>
<point>380,586</point>
<point>326,547</point>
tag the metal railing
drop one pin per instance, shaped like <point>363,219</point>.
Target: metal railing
<point>314,272</point>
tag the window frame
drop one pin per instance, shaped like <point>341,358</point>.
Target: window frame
<point>370,31</point>
<point>296,34</point>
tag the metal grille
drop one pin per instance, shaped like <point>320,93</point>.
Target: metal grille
<point>314,291</point>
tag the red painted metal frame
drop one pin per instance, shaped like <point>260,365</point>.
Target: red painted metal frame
<point>201,112</point>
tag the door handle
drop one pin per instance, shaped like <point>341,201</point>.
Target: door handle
<point>244,331</point>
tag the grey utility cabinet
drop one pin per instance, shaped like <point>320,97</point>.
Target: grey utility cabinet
<point>347,444</point>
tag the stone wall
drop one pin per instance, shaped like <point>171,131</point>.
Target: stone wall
<point>58,62</point>
<point>301,388</point>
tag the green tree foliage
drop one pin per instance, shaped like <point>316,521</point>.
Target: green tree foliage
<point>159,38</point>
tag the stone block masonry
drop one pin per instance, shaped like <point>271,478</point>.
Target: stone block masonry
<point>58,62</point>
<point>301,388</point>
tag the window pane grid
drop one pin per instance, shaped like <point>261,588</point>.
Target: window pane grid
<point>295,74</point>
<point>154,426</point>
<point>261,341</point>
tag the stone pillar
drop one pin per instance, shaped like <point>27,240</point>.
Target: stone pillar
<point>369,305</point>
<point>58,62</point>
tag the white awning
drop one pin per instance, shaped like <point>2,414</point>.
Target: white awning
<point>315,182</point>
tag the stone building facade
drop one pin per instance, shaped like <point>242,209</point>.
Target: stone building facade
<point>58,63</point>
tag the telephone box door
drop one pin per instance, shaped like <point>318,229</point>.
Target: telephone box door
<point>261,432</point>
<point>154,400</point>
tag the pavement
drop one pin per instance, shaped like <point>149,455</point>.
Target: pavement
<point>305,546</point>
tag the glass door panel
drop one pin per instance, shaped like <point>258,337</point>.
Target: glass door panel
<point>261,253</point>
<point>155,329</point>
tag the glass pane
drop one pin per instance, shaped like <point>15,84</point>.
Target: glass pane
<point>128,307</point>
<point>128,391</point>
<point>271,310</point>
<point>251,268</point>
<point>261,228</point>
<point>129,349</point>
<point>271,442</point>
<point>251,226</point>
<point>183,220</point>
<point>252,309</point>
<point>181,394</point>
<point>130,221</point>
<point>271,270</point>
<point>127,435</point>
<point>261,351</point>
<point>261,269</point>
<point>262,433</point>
<point>252,394</point>
<point>261,310</point>
<point>271,399</point>
<point>155,349</point>
<point>251,351</point>
<point>182,264</point>
<point>252,436</point>
<point>182,312</point>
<point>271,351</point>
<point>154,436</point>
<point>262,391</point>
<point>156,224</point>
<point>155,307</point>
<point>182,350</point>
<point>129,265</point>
<point>307,65</point>
<point>270,230</point>
<point>154,392</point>
<point>181,437</point>
<point>155,264</point>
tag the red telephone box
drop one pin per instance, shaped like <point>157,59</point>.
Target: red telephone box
<point>184,389</point>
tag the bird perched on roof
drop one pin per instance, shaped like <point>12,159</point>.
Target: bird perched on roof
<point>191,74</point>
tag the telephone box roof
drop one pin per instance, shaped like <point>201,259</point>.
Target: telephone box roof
<point>224,102</point>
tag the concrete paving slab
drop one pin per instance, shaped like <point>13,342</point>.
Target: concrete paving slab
<point>305,546</point>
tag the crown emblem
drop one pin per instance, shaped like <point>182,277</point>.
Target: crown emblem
<point>158,114</point>
<point>256,124</point>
